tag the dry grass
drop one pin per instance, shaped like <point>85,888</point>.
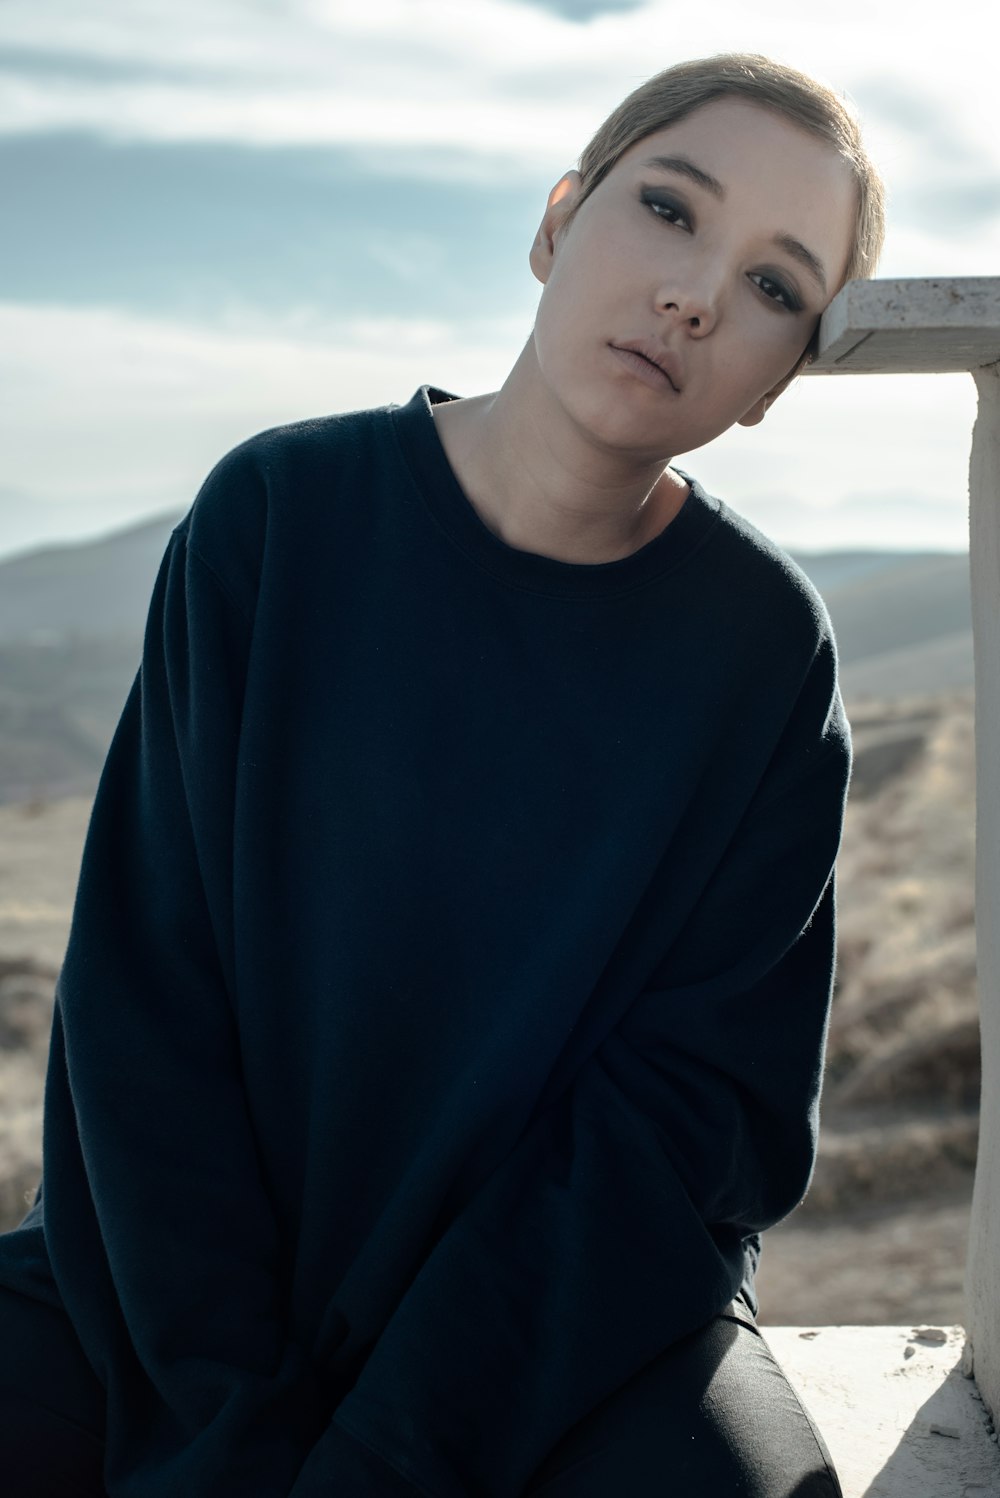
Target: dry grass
<point>903,1053</point>
<point>881,1237</point>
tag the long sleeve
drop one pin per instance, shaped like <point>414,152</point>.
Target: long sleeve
<point>613,1227</point>
<point>162,1240</point>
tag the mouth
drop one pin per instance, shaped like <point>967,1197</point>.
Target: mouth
<point>656,366</point>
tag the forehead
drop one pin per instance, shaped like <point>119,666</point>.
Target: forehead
<point>774,173</point>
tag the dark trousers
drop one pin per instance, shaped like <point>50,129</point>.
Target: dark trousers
<point>713,1417</point>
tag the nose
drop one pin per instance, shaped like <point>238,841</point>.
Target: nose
<point>694,304</point>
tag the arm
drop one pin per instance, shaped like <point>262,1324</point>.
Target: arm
<point>613,1227</point>
<point>157,1224</point>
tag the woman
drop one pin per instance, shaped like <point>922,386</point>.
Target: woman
<point>444,1009</point>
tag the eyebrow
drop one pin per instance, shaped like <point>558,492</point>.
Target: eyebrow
<point>792,246</point>
<point>687,168</point>
<point>804,256</point>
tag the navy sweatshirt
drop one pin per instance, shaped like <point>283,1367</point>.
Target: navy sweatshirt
<point>444,1008</point>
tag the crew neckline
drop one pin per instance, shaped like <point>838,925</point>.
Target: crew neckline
<point>531,571</point>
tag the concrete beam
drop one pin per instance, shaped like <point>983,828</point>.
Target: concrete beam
<point>913,326</point>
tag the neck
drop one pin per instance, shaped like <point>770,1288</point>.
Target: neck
<point>543,485</point>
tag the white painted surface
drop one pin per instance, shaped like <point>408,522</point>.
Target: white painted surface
<point>894,1408</point>
<point>911,326</point>
<point>982,1280</point>
<point>886,326</point>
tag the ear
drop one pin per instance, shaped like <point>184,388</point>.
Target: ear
<point>759,409</point>
<point>562,200</point>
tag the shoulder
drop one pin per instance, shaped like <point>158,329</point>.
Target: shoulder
<point>782,648</point>
<point>770,584</point>
<point>276,481</point>
<point>815,744</point>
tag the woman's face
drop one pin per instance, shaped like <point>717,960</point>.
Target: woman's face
<point>710,250</point>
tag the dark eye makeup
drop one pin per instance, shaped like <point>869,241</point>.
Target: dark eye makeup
<point>777,291</point>
<point>666,206</point>
<point>672,211</point>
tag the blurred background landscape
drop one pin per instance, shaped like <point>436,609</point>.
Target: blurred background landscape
<point>881,1235</point>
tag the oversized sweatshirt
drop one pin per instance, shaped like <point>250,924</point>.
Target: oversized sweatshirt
<point>444,1008</point>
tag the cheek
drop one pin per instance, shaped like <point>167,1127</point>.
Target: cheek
<point>548,334</point>
<point>775,349</point>
<point>562,321</point>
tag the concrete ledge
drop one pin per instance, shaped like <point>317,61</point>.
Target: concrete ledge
<point>894,1407</point>
<point>910,326</point>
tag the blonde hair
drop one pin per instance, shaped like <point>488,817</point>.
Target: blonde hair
<point>678,91</point>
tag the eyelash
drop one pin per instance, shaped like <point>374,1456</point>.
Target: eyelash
<point>658,202</point>
<point>791,301</point>
<point>661,205</point>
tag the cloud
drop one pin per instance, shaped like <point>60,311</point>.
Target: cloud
<point>923,119</point>
<point>944,175</point>
<point>110,418</point>
<point>520,82</point>
<point>417,72</point>
<point>585,10</point>
<point>197,230</point>
<point>501,90</point>
<point>57,64</point>
<point>953,207</point>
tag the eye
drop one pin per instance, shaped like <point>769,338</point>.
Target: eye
<point>777,291</point>
<point>666,207</point>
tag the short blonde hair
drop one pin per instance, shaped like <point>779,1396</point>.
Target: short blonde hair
<point>678,91</point>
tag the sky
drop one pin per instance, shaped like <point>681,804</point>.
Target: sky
<point>224,215</point>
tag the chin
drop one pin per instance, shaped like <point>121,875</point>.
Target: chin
<point>619,426</point>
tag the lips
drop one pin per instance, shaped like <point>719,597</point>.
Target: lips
<point>655,354</point>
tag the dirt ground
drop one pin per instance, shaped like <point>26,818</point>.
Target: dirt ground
<point>881,1265</point>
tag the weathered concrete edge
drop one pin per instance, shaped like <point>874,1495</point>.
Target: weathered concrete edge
<point>898,1410</point>
<point>915,323</point>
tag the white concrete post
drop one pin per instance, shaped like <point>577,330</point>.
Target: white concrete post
<point>982,1276</point>
<point>913,326</point>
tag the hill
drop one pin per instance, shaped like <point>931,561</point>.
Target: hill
<point>95,590</point>
<point>903,621</point>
